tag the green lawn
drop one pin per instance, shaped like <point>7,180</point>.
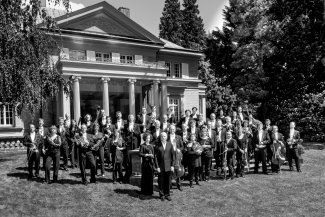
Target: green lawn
<point>289,194</point>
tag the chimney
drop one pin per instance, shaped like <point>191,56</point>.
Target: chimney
<point>125,11</point>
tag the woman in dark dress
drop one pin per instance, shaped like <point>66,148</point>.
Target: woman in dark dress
<point>194,150</point>
<point>147,167</point>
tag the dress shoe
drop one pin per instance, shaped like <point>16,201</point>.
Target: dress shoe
<point>299,171</point>
<point>162,198</point>
<point>85,183</point>
<point>291,168</point>
<point>93,182</point>
<point>180,188</point>
<point>168,198</point>
<point>237,176</point>
<point>48,182</point>
<point>198,183</point>
<point>191,185</point>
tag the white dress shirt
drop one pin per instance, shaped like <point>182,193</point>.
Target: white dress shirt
<point>292,131</point>
<point>32,136</point>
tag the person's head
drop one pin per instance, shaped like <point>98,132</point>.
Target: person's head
<point>147,137</point>
<point>67,117</point>
<point>260,126</point>
<point>221,113</point>
<point>213,116</point>
<point>102,112</point>
<point>41,122</point>
<point>73,122</point>
<point>165,118</point>
<point>53,130</point>
<point>209,124</point>
<point>118,115</point>
<point>194,110</point>
<point>170,110</point>
<point>87,117</point>
<point>157,124</point>
<point>131,118</point>
<point>96,127</point>
<point>292,125</point>
<point>84,128</point>
<point>144,110</point>
<point>204,127</point>
<point>32,128</point>
<point>240,109</point>
<point>228,135</point>
<point>193,137</point>
<point>153,108</point>
<point>153,117</point>
<point>184,127</point>
<point>267,122</point>
<point>108,120</point>
<point>163,137</point>
<point>234,114</point>
<point>187,113</point>
<point>204,133</point>
<point>219,123</point>
<point>245,123</point>
<point>228,120</point>
<point>172,128</point>
<point>240,130</point>
<point>250,117</point>
<point>61,121</point>
<point>193,123</point>
<point>275,129</point>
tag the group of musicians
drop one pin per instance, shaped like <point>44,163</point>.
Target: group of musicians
<point>180,150</point>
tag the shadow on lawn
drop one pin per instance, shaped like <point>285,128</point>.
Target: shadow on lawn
<point>135,194</point>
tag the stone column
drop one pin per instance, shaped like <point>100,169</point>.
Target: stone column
<point>76,97</point>
<point>164,102</point>
<point>204,108</point>
<point>105,95</point>
<point>131,96</point>
<point>155,89</point>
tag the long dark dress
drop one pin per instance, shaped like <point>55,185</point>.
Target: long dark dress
<point>147,169</point>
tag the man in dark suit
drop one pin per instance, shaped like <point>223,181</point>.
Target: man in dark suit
<point>132,139</point>
<point>119,122</point>
<point>33,142</point>
<point>241,116</point>
<point>173,137</point>
<point>260,140</point>
<point>108,131</point>
<point>268,128</point>
<point>164,159</point>
<point>155,132</point>
<point>231,147</point>
<point>143,119</point>
<point>277,144</point>
<point>43,132</point>
<point>219,144</point>
<point>292,139</point>
<point>194,130</point>
<point>85,142</point>
<point>63,131</point>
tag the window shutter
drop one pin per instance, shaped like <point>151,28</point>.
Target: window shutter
<point>91,56</point>
<point>64,54</point>
<point>138,59</point>
<point>115,57</point>
<point>185,72</point>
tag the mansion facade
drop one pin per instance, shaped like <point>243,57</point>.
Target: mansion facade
<point>117,65</point>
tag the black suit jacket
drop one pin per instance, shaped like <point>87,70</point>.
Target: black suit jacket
<point>172,119</point>
<point>296,137</point>
<point>164,158</point>
<point>265,138</point>
<point>37,140</point>
<point>140,119</point>
<point>178,140</point>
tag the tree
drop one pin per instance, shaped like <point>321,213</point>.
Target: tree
<point>170,22</point>
<point>193,33</point>
<point>27,76</point>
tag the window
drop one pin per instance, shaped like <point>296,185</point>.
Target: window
<point>127,59</point>
<point>168,70</point>
<point>6,115</point>
<point>77,55</point>
<point>103,57</point>
<point>174,104</point>
<point>177,70</point>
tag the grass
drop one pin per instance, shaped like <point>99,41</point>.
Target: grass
<point>288,194</point>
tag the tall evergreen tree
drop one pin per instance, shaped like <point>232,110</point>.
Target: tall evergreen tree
<point>192,26</point>
<point>170,22</point>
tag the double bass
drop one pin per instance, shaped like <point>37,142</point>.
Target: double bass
<point>277,157</point>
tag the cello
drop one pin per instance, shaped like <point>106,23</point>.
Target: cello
<point>277,157</point>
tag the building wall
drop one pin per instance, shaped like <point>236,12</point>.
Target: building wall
<point>191,99</point>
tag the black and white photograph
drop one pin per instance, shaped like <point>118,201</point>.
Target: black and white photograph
<point>169,108</point>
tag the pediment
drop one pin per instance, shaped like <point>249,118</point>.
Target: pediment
<point>105,19</point>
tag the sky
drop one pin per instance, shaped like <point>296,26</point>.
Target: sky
<point>147,13</point>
